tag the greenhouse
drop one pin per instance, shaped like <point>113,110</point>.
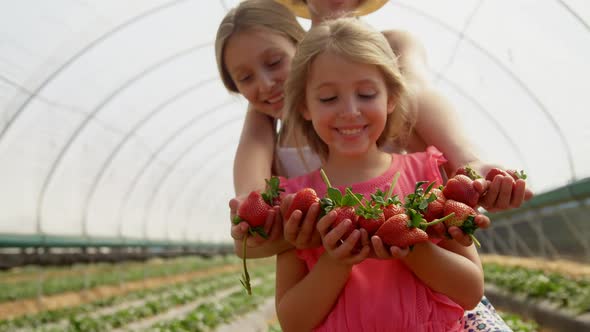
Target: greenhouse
<point>118,139</point>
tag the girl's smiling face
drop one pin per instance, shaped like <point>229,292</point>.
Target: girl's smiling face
<point>258,61</point>
<point>347,102</point>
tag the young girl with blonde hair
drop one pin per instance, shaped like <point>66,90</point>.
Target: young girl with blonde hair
<point>346,94</point>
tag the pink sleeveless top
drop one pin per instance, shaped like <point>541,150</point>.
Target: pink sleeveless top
<point>384,295</point>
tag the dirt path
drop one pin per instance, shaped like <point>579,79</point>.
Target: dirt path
<point>27,306</point>
<point>256,321</point>
<point>565,267</point>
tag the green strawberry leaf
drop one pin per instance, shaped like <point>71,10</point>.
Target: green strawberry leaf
<point>335,195</point>
<point>469,226</point>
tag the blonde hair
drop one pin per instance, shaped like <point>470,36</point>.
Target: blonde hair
<point>349,38</point>
<point>249,14</point>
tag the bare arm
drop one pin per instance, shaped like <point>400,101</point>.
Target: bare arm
<point>435,124</point>
<point>254,155</point>
<point>252,165</point>
<point>303,300</point>
<point>451,269</point>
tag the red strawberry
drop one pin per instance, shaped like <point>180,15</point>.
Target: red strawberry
<point>392,210</point>
<point>343,213</point>
<point>493,172</point>
<point>253,210</point>
<point>302,201</point>
<point>464,218</point>
<point>371,225</point>
<point>460,188</point>
<point>396,232</point>
<point>435,208</point>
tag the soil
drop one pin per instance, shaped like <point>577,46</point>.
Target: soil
<point>572,269</point>
<point>28,306</point>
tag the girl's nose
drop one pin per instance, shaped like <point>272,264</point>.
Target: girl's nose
<point>267,82</point>
<point>350,108</point>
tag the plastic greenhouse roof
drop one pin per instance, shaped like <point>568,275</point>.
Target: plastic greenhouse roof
<point>114,123</point>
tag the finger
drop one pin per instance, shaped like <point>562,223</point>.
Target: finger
<point>458,235</point>
<point>482,221</point>
<point>238,231</point>
<point>437,230</point>
<point>506,186</point>
<point>277,227</point>
<point>360,256</point>
<point>345,249</point>
<point>397,252</point>
<point>489,198</point>
<point>325,223</point>
<point>518,193</point>
<point>481,185</point>
<point>337,233</point>
<point>286,203</point>
<point>379,248</point>
<point>291,228</point>
<point>308,226</point>
<point>270,218</point>
<point>364,237</point>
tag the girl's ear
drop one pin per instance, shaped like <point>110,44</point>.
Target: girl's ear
<point>391,103</point>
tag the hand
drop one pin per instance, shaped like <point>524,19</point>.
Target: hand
<point>502,193</point>
<point>273,226</point>
<point>300,233</point>
<point>342,250</point>
<point>379,250</point>
<point>440,230</point>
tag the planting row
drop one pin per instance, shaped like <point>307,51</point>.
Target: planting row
<point>116,312</point>
<point>87,276</point>
<point>569,293</point>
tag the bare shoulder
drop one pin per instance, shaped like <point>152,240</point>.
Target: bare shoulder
<point>402,41</point>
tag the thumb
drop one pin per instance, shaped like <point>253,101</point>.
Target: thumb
<point>481,185</point>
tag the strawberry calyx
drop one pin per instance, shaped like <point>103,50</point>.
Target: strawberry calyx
<point>517,174</point>
<point>272,192</point>
<point>469,172</point>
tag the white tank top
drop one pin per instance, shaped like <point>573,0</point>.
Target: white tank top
<point>293,165</point>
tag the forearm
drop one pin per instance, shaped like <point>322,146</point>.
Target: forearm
<point>446,272</point>
<point>314,296</point>
<point>266,249</point>
<point>254,155</point>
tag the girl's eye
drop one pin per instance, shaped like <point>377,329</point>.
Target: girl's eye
<point>367,94</point>
<point>327,99</point>
<point>274,61</point>
<point>244,78</point>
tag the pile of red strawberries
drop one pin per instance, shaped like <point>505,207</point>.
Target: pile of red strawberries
<point>396,223</point>
<point>384,215</point>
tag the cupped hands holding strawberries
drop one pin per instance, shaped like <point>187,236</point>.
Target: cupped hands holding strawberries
<point>351,227</point>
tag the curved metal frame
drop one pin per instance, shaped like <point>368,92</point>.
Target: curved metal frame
<point>116,91</point>
<point>150,115</point>
<point>511,75</point>
<point>145,166</point>
<point>181,156</point>
<point>78,55</point>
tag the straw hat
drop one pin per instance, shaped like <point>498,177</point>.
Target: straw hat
<point>299,8</point>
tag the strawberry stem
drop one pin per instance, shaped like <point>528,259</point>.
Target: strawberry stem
<point>439,220</point>
<point>325,178</point>
<point>246,276</point>
<point>393,183</point>
<point>475,240</point>
<point>355,198</point>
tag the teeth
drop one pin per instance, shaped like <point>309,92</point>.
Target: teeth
<point>350,131</point>
<point>275,99</point>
